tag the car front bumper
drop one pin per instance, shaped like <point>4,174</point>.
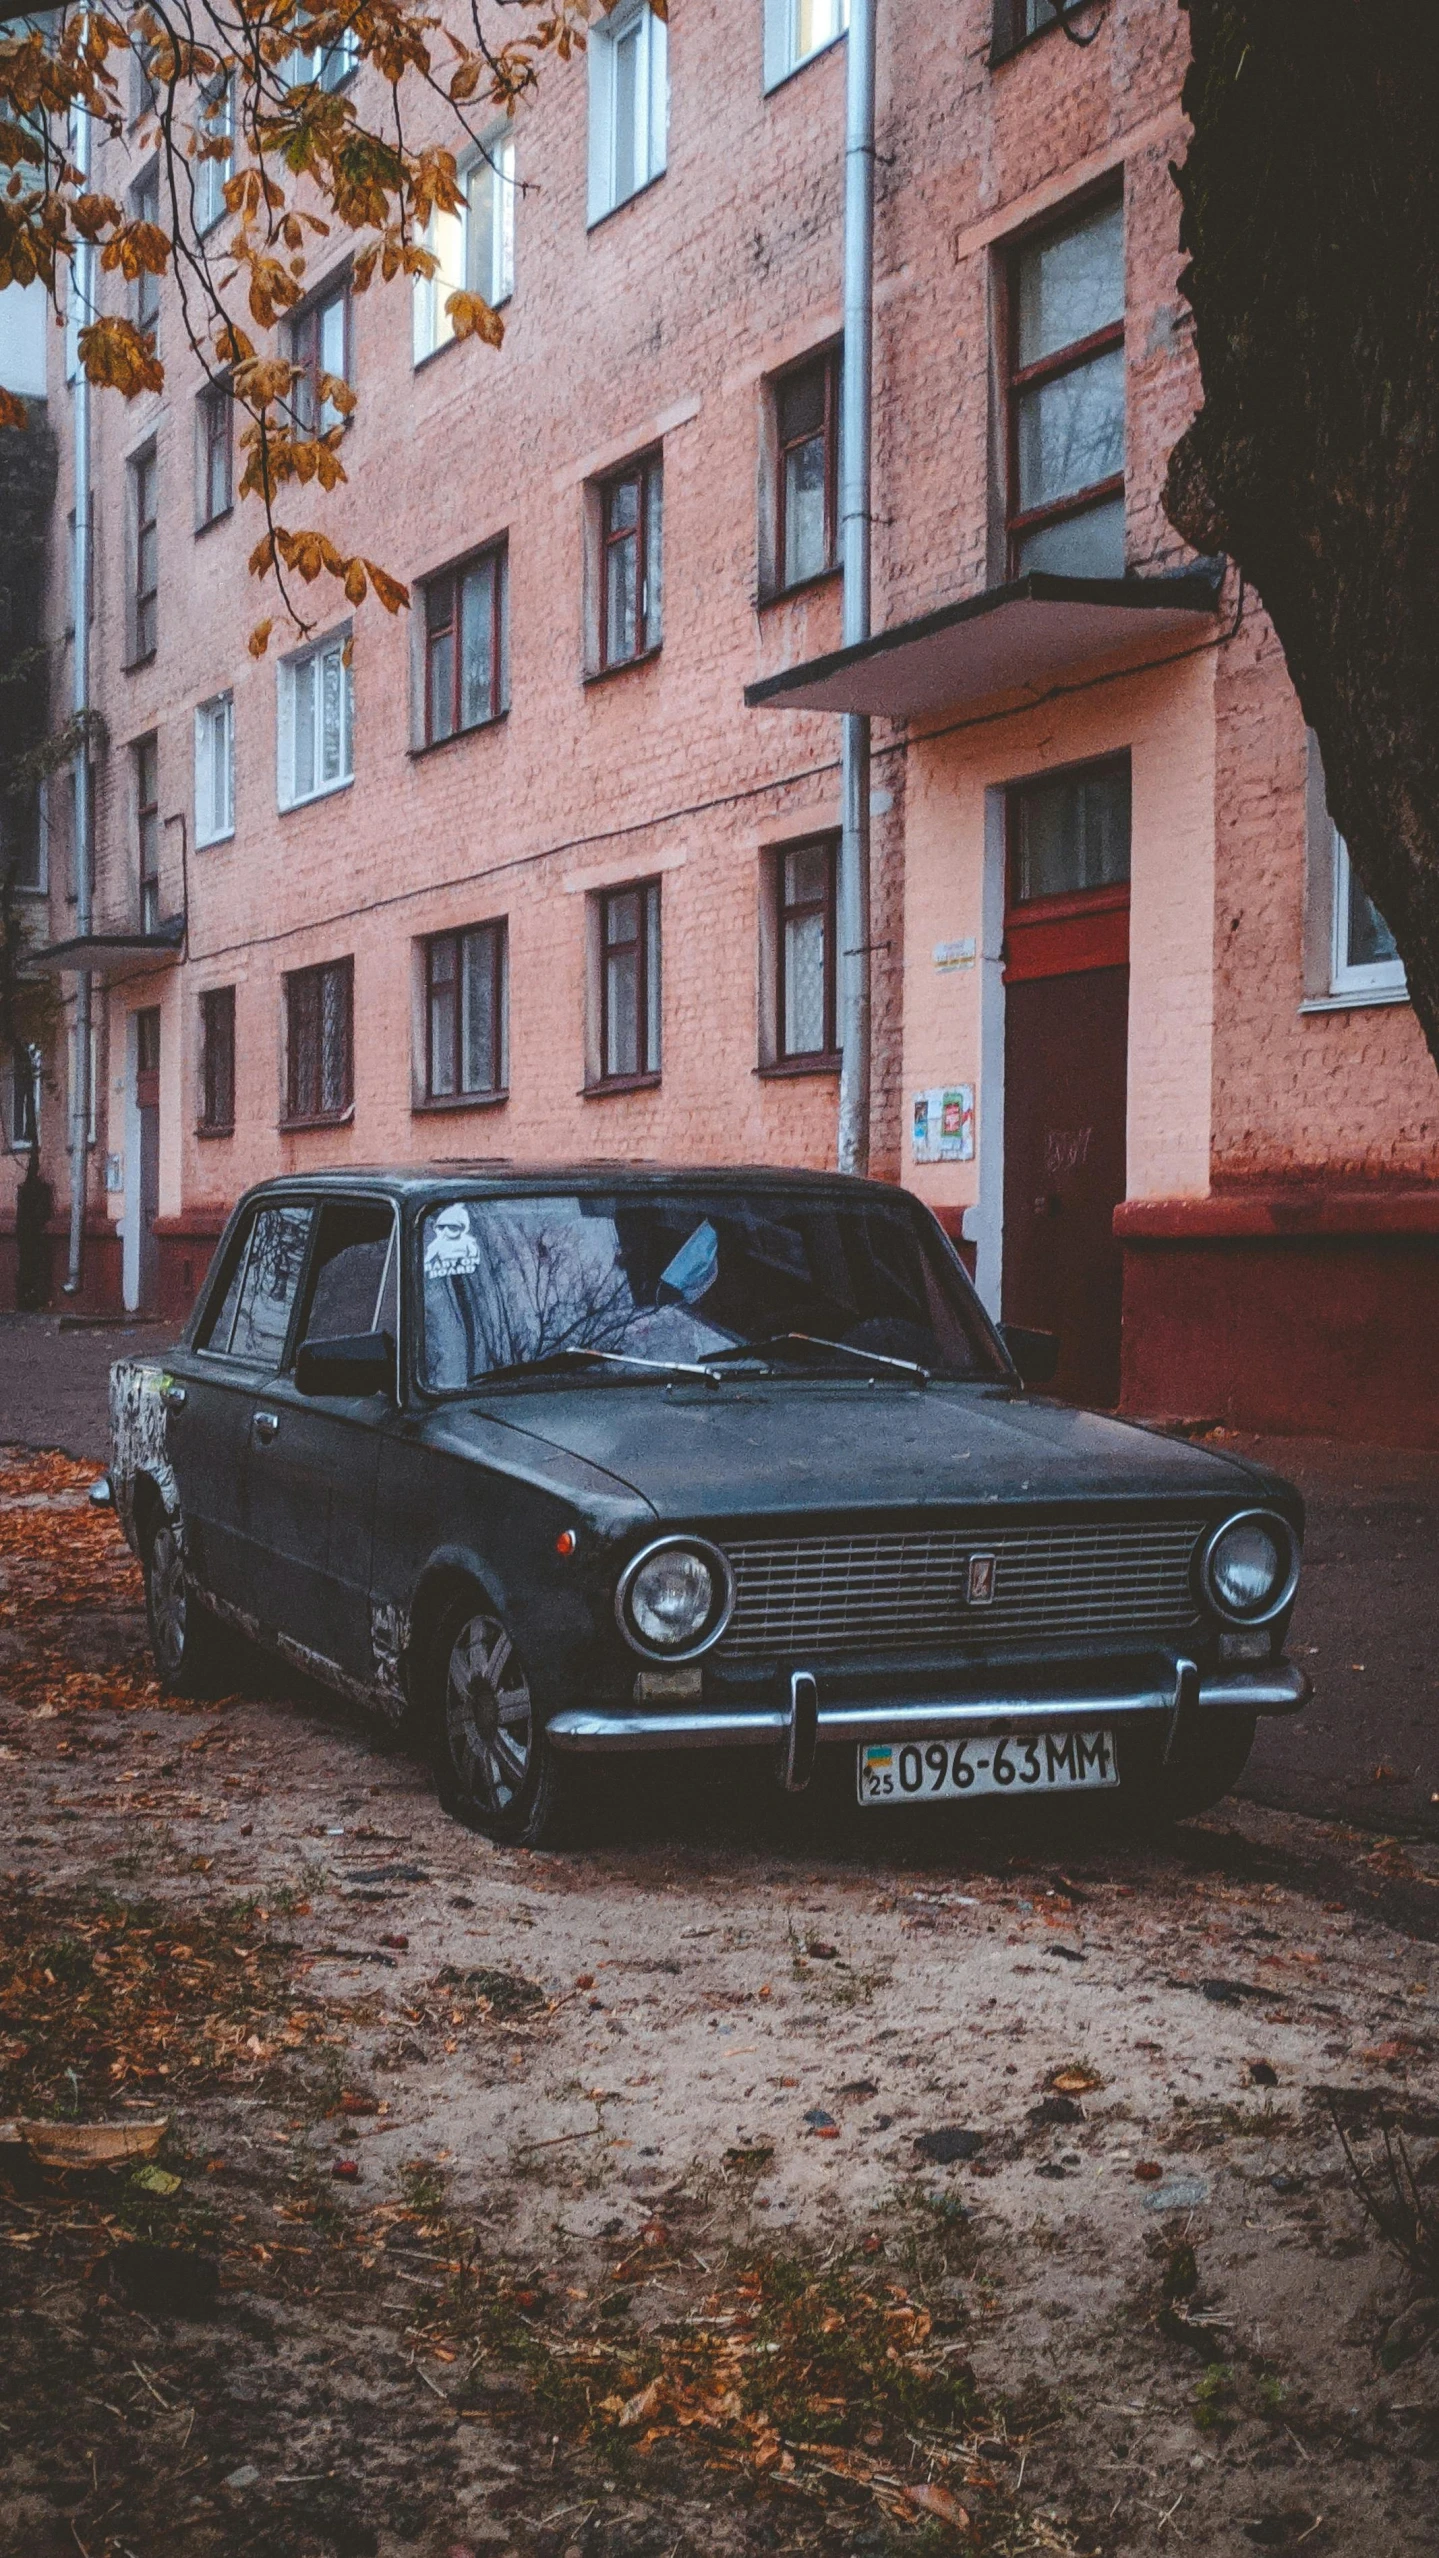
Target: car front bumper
<point>1163,1684</point>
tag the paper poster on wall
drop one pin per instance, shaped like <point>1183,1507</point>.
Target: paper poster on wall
<point>944,1124</point>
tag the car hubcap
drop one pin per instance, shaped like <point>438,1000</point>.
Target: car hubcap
<point>167,1599</point>
<point>488,1714</point>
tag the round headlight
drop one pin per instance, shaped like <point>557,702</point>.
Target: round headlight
<point>1250,1567</point>
<point>675,1599</point>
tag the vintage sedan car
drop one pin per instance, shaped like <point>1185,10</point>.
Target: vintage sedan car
<point>559,1464</point>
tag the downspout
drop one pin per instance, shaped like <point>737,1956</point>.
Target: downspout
<point>854,518</point>
<point>83,287</point>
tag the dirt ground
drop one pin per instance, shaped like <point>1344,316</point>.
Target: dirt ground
<point>765,2179</point>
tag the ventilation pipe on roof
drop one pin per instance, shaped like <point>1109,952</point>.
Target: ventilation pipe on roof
<point>854,515</point>
<point>82,285</point>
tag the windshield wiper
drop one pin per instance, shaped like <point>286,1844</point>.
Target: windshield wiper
<point>608,1358</point>
<point>818,1341</point>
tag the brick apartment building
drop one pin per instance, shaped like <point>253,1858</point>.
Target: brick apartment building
<point>546,867</point>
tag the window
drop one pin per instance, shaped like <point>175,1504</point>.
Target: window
<point>145,207</point>
<point>1069,833</point>
<point>806,426</point>
<point>629,104</point>
<point>463,647</point>
<point>145,756</point>
<point>217,1062</point>
<point>25,1070</point>
<point>475,247</point>
<point>1066,398</point>
<point>315,721</point>
<point>214,453</point>
<point>319,1044</point>
<point>795,30</point>
<point>1366,956</point>
<point>1015,21</point>
<point>214,123</point>
<point>319,339</point>
<point>465,1000</point>
<point>631,579</point>
<point>24,844</point>
<point>215,769</point>
<point>142,81</point>
<point>354,1282</point>
<point>250,1316</point>
<point>805,883</point>
<point>327,66</point>
<point>144,554</point>
<point>628,921</point>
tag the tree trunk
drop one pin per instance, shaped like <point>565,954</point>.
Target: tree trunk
<point>1311,222</point>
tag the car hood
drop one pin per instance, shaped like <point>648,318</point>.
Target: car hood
<point>762,1448</point>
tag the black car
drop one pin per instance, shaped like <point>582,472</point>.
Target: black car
<point>559,1463</point>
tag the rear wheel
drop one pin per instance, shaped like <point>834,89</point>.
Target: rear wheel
<point>185,1640</point>
<point>495,1769</point>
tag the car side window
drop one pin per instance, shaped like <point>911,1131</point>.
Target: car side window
<point>350,1279</point>
<point>218,1322</point>
<point>273,1264</point>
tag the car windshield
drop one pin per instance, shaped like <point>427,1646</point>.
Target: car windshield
<point>688,1275</point>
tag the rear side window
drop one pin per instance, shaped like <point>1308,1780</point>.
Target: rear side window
<point>253,1315</point>
<point>352,1289</point>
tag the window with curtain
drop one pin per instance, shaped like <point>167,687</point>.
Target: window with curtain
<point>465,1003</point>
<point>627,923</point>
<point>319,1043</point>
<point>463,643</point>
<point>631,564</point>
<point>806,430</point>
<point>316,721</point>
<point>805,887</point>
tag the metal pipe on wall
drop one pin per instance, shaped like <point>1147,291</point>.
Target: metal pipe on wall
<point>82,285</point>
<point>854,515</point>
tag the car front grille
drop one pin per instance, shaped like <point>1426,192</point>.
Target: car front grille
<point>809,1595</point>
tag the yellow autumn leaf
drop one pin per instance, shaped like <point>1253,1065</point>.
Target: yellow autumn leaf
<point>260,635</point>
<point>471,317</point>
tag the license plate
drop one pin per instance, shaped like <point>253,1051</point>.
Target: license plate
<point>1003,1763</point>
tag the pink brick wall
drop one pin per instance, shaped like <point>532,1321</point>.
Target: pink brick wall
<point>660,324</point>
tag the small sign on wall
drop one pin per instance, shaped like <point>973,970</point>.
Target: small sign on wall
<point>944,1124</point>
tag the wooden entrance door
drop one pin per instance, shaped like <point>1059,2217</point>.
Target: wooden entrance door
<point>1066,1049</point>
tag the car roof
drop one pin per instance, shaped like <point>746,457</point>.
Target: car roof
<point>446,1179</point>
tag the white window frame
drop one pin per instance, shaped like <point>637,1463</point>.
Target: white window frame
<point>286,675</point>
<point>211,176</point>
<point>787,47</point>
<point>328,66</point>
<point>215,770</point>
<point>453,238</point>
<point>1378,977</point>
<point>27,1049</point>
<point>634,22</point>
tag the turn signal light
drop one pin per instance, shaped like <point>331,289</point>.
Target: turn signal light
<point>566,1543</point>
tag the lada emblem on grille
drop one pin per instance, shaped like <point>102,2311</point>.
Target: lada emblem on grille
<point>980,1586</point>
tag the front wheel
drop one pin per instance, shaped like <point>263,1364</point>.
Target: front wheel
<point>184,1637</point>
<point>495,1769</point>
<point>1209,1758</point>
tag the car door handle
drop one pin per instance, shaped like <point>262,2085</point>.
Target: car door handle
<point>174,1398</point>
<point>266,1426</point>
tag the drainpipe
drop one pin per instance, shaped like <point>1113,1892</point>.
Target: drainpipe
<point>83,287</point>
<point>854,518</point>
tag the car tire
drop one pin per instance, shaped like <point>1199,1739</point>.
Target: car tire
<point>495,1768</point>
<point>186,1642</point>
<point>1208,1760</point>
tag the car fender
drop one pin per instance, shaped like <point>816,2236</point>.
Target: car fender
<point>139,1449</point>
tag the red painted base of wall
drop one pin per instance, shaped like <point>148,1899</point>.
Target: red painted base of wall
<point>1231,1314</point>
<point>185,1248</point>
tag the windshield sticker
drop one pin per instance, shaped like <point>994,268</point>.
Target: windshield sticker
<point>451,1251</point>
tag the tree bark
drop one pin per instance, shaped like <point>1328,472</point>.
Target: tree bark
<point>1311,224</point>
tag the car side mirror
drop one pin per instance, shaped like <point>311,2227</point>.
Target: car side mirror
<point>1035,1354</point>
<point>353,1363</point>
